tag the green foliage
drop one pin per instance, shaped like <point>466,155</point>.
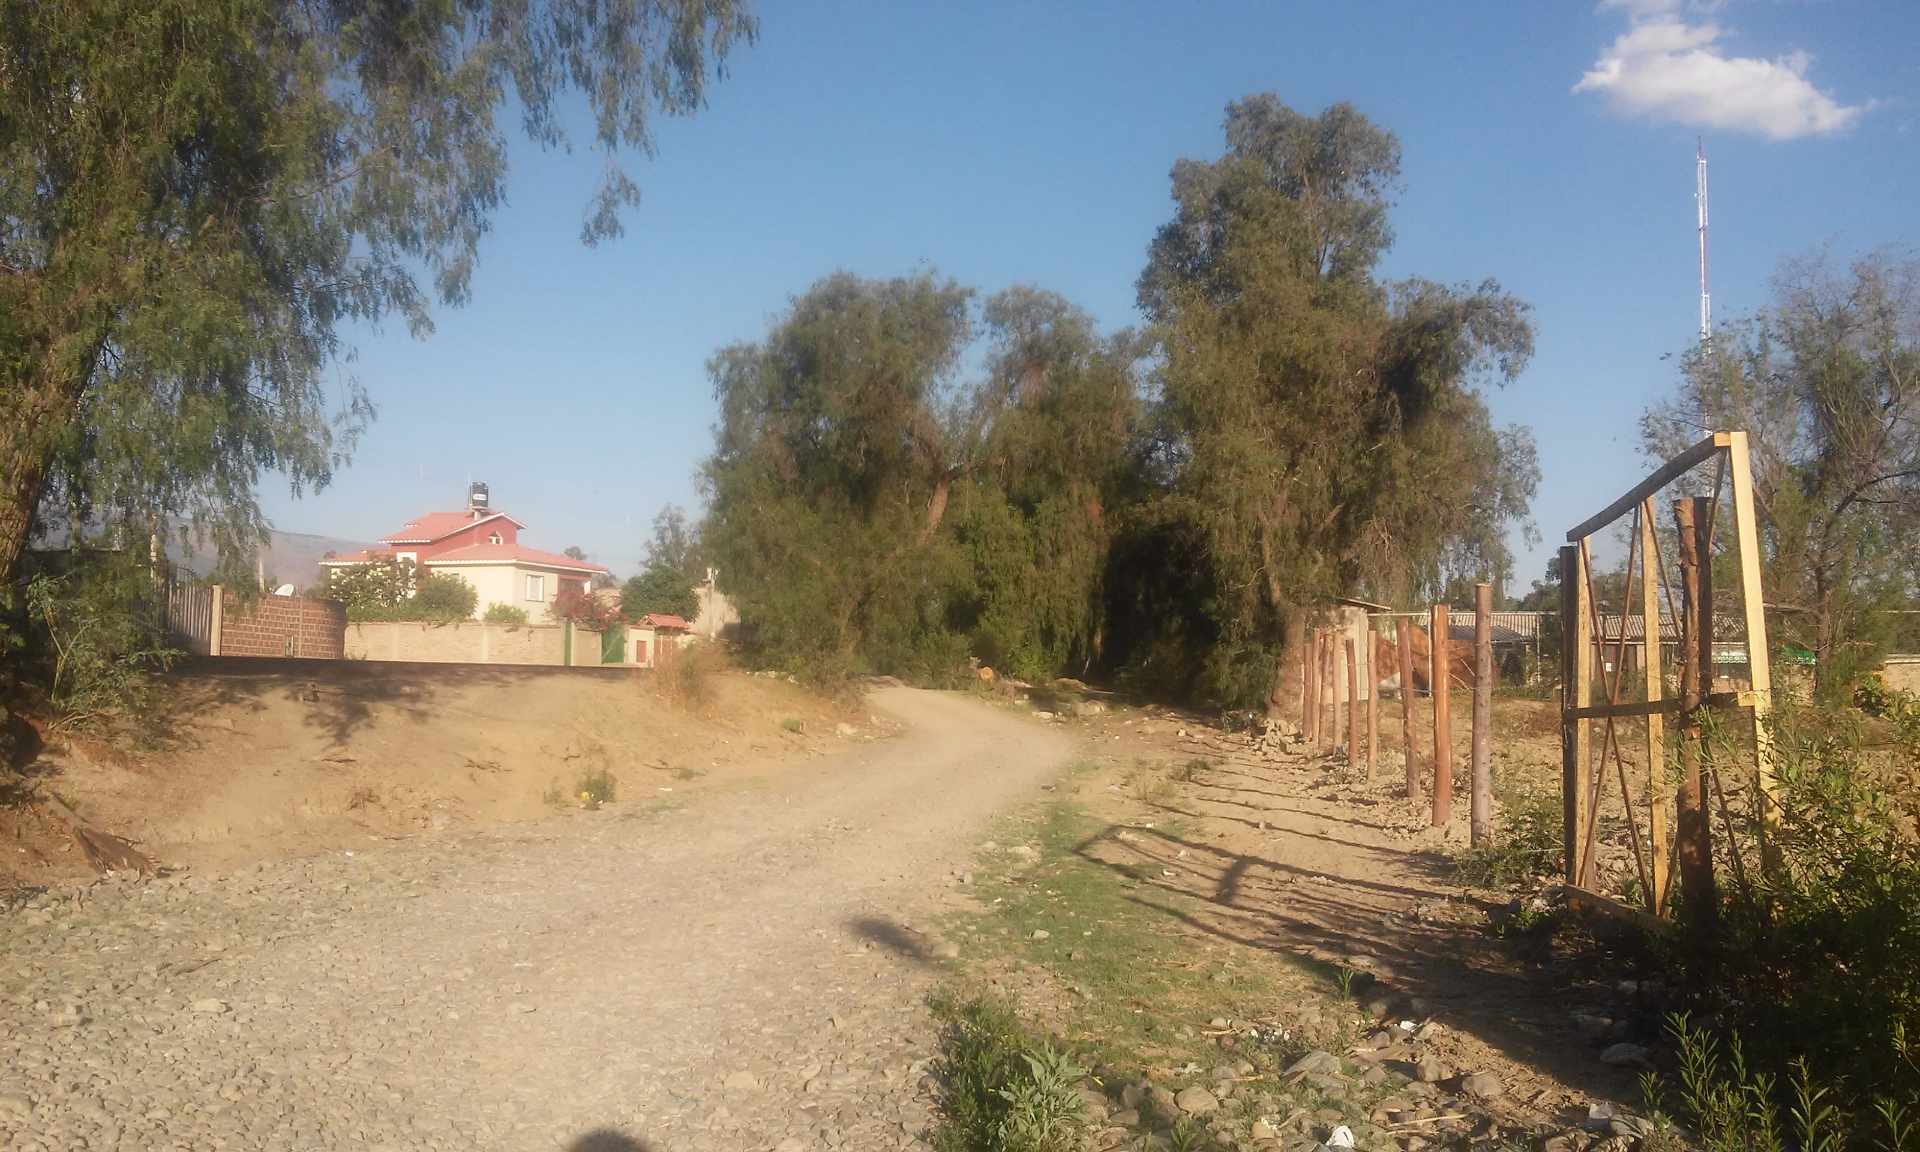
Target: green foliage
<point>195,198</point>
<point>390,589</point>
<point>1319,433</point>
<point>1820,959</point>
<point>660,588</point>
<point>505,614</point>
<point>676,545</point>
<point>1825,381</point>
<point>1525,845</point>
<point>1002,1090</point>
<point>443,598</point>
<point>93,638</point>
<point>1732,1106</point>
<point>594,788</point>
<point>374,590</point>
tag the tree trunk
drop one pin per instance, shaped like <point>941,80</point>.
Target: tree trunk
<point>1283,696</point>
<point>34,422</point>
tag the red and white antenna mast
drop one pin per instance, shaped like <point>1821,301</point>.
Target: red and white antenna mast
<point>1700,199</point>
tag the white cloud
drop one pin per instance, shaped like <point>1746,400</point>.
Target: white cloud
<point>1667,67</point>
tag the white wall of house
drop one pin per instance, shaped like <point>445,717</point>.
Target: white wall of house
<point>507,584</point>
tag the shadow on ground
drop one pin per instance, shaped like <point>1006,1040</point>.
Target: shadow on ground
<point>609,1140</point>
<point>1362,918</point>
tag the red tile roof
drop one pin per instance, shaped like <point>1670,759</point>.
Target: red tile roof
<point>434,525</point>
<point>511,554</point>
<point>665,620</point>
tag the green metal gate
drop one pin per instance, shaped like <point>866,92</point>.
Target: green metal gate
<point>613,645</point>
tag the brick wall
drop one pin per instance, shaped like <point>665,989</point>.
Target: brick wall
<point>283,626</point>
<point>470,643</point>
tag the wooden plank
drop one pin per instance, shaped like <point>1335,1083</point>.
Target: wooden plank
<point>1403,637</point>
<point>1658,798</point>
<point>1693,829</point>
<point>1607,905</point>
<point>1309,682</point>
<point>1442,720</point>
<point>1759,659</point>
<point>1481,805</point>
<point>1668,707</point>
<point>1576,692</point>
<point>1666,474</point>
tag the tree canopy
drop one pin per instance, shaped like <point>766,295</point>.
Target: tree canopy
<point>194,198</point>
<point>1826,379</point>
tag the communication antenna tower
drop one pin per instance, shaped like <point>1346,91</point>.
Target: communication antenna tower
<point>1700,199</point>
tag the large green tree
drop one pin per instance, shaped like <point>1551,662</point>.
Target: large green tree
<point>1826,382</point>
<point>195,197</point>
<point>1320,431</point>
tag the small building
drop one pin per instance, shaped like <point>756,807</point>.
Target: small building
<point>482,547</point>
<point>653,639</point>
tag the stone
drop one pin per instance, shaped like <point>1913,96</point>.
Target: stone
<point>1485,1085</point>
<point>1314,1062</point>
<point>792,1143</point>
<point>1197,1101</point>
<point>1427,1070</point>
<point>14,1104</point>
<point>1132,1094</point>
<point>1041,934</point>
<point>1161,1103</point>
<point>842,730</point>
<point>209,1007</point>
<point>1125,1118</point>
<point>1624,1055</point>
<point>741,1081</point>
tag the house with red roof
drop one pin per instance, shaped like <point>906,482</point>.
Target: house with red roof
<point>482,547</point>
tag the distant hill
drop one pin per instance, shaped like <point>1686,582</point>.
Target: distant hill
<point>288,558</point>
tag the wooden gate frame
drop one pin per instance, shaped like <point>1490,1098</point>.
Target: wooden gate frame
<point>1583,779</point>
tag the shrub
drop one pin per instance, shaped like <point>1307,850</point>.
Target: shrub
<point>595,787</point>
<point>686,676</point>
<point>585,610</point>
<point>443,598</point>
<point>1526,844</point>
<point>1002,1090</point>
<point>1819,959</point>
<point>93,636</point>
<point>372,591</point>
<point>505,614</point>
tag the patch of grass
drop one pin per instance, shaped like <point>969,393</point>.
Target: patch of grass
<point>1002,1088</point>
<point>1144,986</point>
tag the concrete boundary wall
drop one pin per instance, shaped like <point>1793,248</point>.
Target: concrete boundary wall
<point>471,642</point>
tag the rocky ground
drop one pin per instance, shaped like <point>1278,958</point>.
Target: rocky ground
<point>740,973</point>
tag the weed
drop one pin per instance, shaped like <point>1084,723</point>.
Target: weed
<point>686,676</point>
<point>1527,844</point>
<point>794,725</point>
<point>1344,980</point>
<point>555,796</point>
<point>595,787</point>
<point>1186,1136</point>
<point>360,798</point>
<point>1002,1090</point>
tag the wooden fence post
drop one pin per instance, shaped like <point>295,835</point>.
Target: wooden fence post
<point>1482,803</point>
<point>1693,829</point>
<point>1353,701</point>
<point>1658,837</point>
<point>1330,735</point>
<point>216,617</point>
<point>1442,719</point>
<point>1576,691</point>
<point>1372,683</point>
<point>1308,703</point>
<point>1403,639</point>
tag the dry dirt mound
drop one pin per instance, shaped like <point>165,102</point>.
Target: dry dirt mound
<point>256,759</point>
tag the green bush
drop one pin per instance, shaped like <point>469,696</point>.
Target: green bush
<point>1526,844</point>
<point>93,635</point>
<point>443,599</point>
<point>1002,1090</point>
<point>505,614</point>
<point>1818,959</point>
<point>659,589</point>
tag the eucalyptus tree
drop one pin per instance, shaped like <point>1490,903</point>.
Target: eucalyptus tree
<point>1321,431</point>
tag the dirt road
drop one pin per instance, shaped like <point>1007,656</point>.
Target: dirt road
<point>739,973</point>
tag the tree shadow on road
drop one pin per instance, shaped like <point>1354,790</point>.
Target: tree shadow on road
<point>609,1140</point>
<point>895,938</point>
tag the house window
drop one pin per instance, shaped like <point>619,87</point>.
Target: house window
<point>493,538</point>
<point>537,588</point>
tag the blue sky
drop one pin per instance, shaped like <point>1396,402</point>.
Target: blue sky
<point>1031,143</point>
